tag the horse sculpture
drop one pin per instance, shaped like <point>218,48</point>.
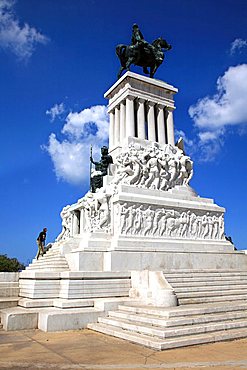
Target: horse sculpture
<point>142,54</point>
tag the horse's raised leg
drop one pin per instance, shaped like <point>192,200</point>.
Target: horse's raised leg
<point>145,70</point>
<point>153,69</point>
<point>129,62</point>
<point>120,71</point>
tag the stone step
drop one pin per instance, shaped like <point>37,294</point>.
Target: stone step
<point>187,310</point>
<point>203,279</point>
<point>216,283</point>
<point>9,292</point>
<point>48,263</point>
<point>207,289</point>
<point>181,320</point>
<point>52,259</point>
<point>212,293</point>
<point>55,267</point>
<point>161,344</point>
<point>185,271</point>
<point>6,302</point>
<point>205,273</point>
<point>224,298</point>
<point>163,332</point>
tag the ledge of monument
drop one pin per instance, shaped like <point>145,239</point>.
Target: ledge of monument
<point>90,275</point>
<point>39,275</point>
<point>135,76</point>
<point>159,197</point>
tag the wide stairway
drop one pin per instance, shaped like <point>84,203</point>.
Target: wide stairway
<point>212,307</point>
<point>52,260</point>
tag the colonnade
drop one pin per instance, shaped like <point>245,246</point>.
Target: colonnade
<point>144,119</point>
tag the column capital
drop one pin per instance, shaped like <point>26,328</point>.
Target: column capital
<point>151,103</point>
<point>141,100</point>
<point>123,102</point>
<point>170,109</point>
<point>130,97</point>
<point>160,106</point>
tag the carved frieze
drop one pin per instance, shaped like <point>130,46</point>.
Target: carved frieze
<point>154,221</point>
<point>153,167</point>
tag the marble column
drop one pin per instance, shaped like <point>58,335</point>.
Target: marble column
<point>161,124</point>
<point>122,121</point>
<point>141,132</point>
<point>111,130</point>
<point>75,223</point>
<point>151,122</point>
<point>130,116</point>
<point>117,126</point>
<point>170,126</point>
<point>82,221</point>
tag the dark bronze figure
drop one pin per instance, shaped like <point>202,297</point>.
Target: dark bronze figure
<point>100,169</point>
<point>142,53</point>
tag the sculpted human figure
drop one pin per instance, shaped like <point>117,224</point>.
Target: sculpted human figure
<point>215,232</point>
<point>138,220</point>
<point>164,172</point>
<point>186,170</point>
<point>205,226</point>
<point>184,223</point>
<point>156,219</point>
<point>193,225</point>
<point>163,222</point>
<point>174,168</point>
<point>138,41</point>
<point>136,167</point>
<point>123,217</point>
<point>130,219</point>
<point>148,219</point>
<point>210,226</point>
<point>221,227</point>
<point>101,198</point>
<point>100,169</point>
<point>66,224</point>
<point>153,178</point>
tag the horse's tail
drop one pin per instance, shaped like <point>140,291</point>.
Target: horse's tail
<point>120,50</point>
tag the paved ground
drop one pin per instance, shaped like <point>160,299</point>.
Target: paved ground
<point>85,349</point>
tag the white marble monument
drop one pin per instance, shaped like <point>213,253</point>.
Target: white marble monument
<point>146,215</point>
<point>125,242</point>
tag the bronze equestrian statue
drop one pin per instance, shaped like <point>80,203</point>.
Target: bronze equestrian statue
<point>142,53</point>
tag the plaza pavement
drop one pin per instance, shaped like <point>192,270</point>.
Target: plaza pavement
<point>88,350</point>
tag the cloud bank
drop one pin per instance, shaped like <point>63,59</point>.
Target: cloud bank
<point>213,116</point>
<point>238,45</point>
<point>14,37</point>
<point>70,155</point>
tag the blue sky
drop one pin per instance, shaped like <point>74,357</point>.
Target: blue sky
<point>57,58</point>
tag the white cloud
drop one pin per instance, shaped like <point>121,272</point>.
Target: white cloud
<point>228,106</point>
<point>79,124</point>
<point>238,45</point>
<point>213,116</point>
<point>17,38</point>
<point>56,111</point>
<point>70,155</point>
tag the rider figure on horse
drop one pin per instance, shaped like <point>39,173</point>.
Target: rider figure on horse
<point>138,41</point>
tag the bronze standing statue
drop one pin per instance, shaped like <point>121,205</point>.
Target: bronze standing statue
<point>142,53</point>
<point>100,169</point>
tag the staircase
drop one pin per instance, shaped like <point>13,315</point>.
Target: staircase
<point>212,307</point>
<point>52,260</point>
<point>198,286</point>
